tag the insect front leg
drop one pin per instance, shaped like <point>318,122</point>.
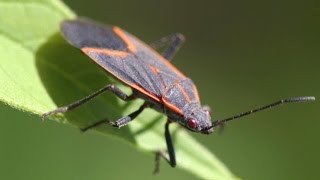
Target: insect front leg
<point>171,152</point>
<point>120,122</point>
<point>174,41</point>
<point>110,87</point>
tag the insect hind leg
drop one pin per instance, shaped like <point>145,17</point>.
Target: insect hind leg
<point>174,41</point>
<point>119,123</point>
<point>110,87</point>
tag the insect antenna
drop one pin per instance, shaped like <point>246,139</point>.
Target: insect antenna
<point>282,101</point>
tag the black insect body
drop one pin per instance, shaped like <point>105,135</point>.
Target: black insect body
<point>150,75</point>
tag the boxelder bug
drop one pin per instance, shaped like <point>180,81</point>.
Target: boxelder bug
<point>150,75</point>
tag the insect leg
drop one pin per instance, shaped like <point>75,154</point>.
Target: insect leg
<point>120,122</point>
<point>172,156</point>
<point>174,41</point>
<point>80,102</point>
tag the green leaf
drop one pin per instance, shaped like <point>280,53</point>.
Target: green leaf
<point>39,72</point>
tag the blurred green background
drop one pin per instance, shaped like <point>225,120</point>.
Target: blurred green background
<point>241,54</point>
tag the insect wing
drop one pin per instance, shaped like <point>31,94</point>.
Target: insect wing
<point>123,55</point>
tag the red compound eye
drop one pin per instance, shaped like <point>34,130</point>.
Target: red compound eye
<point>192,123</point>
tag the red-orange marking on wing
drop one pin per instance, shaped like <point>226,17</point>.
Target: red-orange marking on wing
<point>161,58</point>
<point>109,52</point>
<point>157,71</point>
<point>154,69</point>
<point>171,106</point>
<point>131,47</point>
<point>140,89</point>
<point>166,62</point>
<point>184,93</point>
